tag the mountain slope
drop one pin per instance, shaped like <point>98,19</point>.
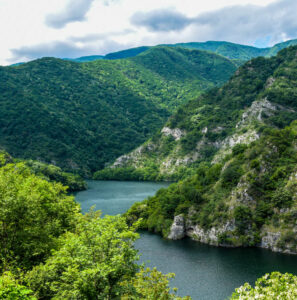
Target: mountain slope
<point>249,199</point>
<point>80,116</point>
<point>263,91</point>
<point>243,191</point>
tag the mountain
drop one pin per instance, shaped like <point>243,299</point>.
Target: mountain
<point>238,143</point>
<point>44,171</point>
<point>126,53</point>
<point>205,129</point>
<point>85,58</point>
<point>81,116</point>
<point>238,52</point>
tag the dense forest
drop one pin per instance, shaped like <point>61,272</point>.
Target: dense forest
<point>262,93</point>
<point>81,116</point>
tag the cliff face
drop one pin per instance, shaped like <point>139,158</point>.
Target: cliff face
<point>181,228</point>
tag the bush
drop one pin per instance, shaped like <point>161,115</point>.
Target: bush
<point>12,289</point>
<point>270,286</point>
<point>33,213</point>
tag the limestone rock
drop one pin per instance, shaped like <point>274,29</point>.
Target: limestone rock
<point>176,133</point>
<point>177,230</point>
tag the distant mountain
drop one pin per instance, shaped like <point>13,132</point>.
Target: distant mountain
<point>234,51</point>
<point>236,148</point>
<point>239,53</point>
<point>85,58</point>
<point>126,53</point>
<point>81,116</point>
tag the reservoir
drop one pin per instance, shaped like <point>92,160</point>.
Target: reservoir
<point>202,272</point>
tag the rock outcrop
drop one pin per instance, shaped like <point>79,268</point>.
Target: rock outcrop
<point>178,229</point>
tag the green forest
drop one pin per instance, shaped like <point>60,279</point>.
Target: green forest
<point>262,93</point>
<point>81,116</point>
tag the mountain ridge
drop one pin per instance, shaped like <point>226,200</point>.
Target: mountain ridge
<point>81,116</point>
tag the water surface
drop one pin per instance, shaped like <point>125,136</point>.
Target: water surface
<point>203,272</point>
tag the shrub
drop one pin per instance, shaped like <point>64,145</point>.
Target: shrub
<point>270,286</point>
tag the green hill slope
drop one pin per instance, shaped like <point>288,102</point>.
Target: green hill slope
<point>249,199</point>
<point>241,160</point>
<point>80,116</point>
<point>262,92</point>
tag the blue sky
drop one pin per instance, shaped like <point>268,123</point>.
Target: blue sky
<point>71,28</point>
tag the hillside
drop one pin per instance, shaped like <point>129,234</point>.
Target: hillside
<point>248,199</point>
<point>237,52</point>
<point>243,191</point>
<point>81,116</point>
<point>261,93</point>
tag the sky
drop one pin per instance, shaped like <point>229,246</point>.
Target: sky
<point>31,29</point>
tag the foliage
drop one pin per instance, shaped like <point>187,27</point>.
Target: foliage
<point>270,286</point>
<point>91,262</point>
<point>33,214</point>
<point>150,285</point>
<point>12,289</point>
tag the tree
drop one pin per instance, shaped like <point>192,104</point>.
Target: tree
<point>270,286</point>
<point>150,285</point>
<point>33,214</point>
<point>12,289</point>
<point>91,262</point>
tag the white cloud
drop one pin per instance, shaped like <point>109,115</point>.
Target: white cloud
<point>84,27</point>
<point>74,11</point>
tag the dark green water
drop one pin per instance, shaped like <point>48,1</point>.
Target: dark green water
<point>203,272</point>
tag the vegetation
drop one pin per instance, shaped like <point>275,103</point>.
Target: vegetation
<point>254,187</point>
<point>270,286</point>
<point>81,116</point>
<point>48,172</point>
<point>49,250</point>
<point>261,93</point>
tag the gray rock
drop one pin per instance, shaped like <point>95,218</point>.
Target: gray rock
<point>178,229</point>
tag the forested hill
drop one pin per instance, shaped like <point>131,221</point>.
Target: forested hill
<point>261,93</point>
<point>238,52</point>
<point>80,116</point>
<point>239,143</point>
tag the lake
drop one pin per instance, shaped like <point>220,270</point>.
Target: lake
<point>203,272</point>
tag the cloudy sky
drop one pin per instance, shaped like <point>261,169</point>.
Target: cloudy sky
<point>31,29</point>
